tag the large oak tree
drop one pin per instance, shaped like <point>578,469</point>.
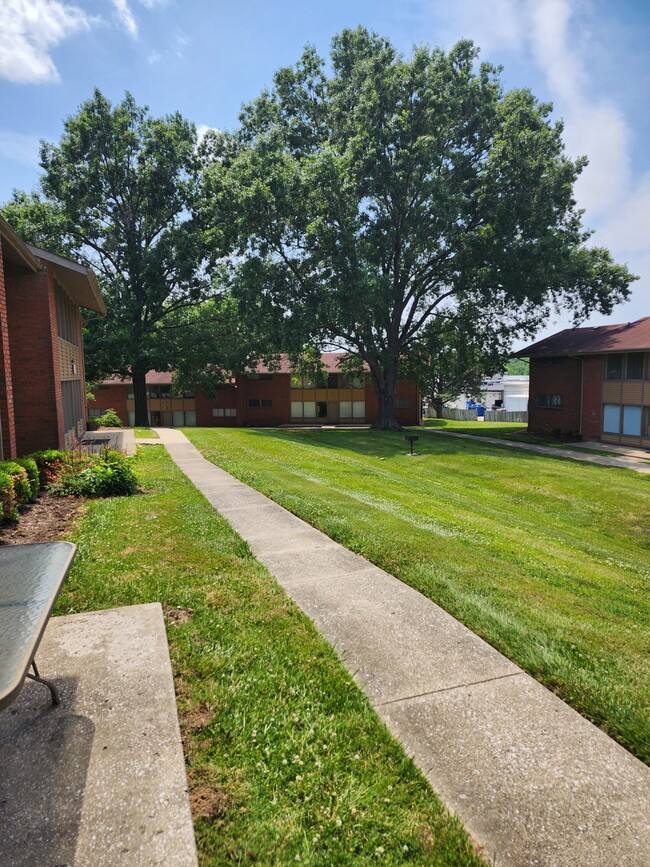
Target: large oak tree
<point>126,186</point>
<point>368,198</point>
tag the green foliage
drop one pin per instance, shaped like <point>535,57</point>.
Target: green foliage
<point>33,476</point>
<point>109,474</point>
<point>124,185</point>
<point>107,419</point>
<point>49,463</point>
<point>42,223</point>
<point>7,497</point>
<point>518,366</point>
<point>20,481</point>
<point>367,202</point>
<point>452,356</point>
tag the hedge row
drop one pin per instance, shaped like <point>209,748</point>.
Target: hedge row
<point>65,473</point>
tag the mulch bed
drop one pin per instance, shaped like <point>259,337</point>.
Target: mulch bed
<point>46,520</point>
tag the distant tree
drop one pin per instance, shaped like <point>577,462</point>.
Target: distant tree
<point>517,366</point>
<point>453,357</point>
<point>124,186</point>
<point>367,202</point>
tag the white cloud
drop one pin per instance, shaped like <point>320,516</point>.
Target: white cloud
<point>125,16</point>
<point>554,35</point>
<point>30,29</point>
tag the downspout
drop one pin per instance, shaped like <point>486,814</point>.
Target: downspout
<point>582,391</point>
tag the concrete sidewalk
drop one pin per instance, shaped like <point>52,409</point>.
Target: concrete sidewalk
<point>626,461</point>
<point>533,781</point>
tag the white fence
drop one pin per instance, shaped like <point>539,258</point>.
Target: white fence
<point>490,415</point>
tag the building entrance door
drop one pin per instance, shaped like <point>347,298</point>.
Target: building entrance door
<point>333,411</point>
<point>321,410</point>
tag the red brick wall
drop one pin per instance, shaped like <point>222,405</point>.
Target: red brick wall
<point>113,397</point>
<point>564,378</point>
<point>6,386</point>
<point>276,389</point>
<point>33,344</point>
<point>226,398</point>
<point>592,396</point>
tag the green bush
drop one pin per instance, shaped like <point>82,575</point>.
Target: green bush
<point>33,476</point>
<point>7,497</point>
<point>20,480</point>
<point>109,474</point>
<point>109,418</point>
<point>49,462</point>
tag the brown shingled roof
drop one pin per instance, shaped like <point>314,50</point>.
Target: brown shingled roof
<point>626,337</point>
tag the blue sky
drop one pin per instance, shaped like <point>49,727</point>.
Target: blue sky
<point>206,57</point>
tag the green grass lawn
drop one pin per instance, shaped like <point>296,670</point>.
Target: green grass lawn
<point>545,558</point>
<point>499,429</point>
<point>509,431</point>
<point>286,759</point>
<point>145,433</point>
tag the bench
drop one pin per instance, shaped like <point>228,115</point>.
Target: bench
<point>31,577</point>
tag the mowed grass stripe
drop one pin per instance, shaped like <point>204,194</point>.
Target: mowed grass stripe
<point>286,759</point>
<point>545,558</point>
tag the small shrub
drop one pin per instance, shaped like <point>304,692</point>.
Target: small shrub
<point>20,480</point>
<point>49,462</point>
<point>109,474</point>
<point>33,476</point>
<point>7,497</point>
<point>109,418</point>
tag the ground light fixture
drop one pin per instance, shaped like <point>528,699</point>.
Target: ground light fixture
<point>411,438</point>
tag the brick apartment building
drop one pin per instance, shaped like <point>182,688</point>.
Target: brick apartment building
<point>593,382</point>
<point>42,388</point>
<point>266,398</point>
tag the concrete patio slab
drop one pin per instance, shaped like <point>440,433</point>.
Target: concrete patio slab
<point>100,779</point>
<point>534,782</point>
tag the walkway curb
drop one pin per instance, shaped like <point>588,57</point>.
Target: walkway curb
<point>532,780</point>
<point>638,466</point>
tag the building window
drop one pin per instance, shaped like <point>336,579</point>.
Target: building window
<point>611,418</point>
<point>549,401</point>
<point>403,403</point>
<point>95,413</point>
<point>66,317</point>
<point>358,409</point>
<point>264,377</point>
<point>352,380</point>
<point>225,412</point>
<point>632,421</point>
<point>257,402</point>
<point>303,409</point>
<point>614,366</point>
<point>634,365</point>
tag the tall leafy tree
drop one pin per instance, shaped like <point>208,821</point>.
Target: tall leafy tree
<point>126,185</point>
<point>367,199</point>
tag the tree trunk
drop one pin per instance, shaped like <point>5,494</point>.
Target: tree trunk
<point>385,381</point>
<point>140,397</point>
<point>438,404</point>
